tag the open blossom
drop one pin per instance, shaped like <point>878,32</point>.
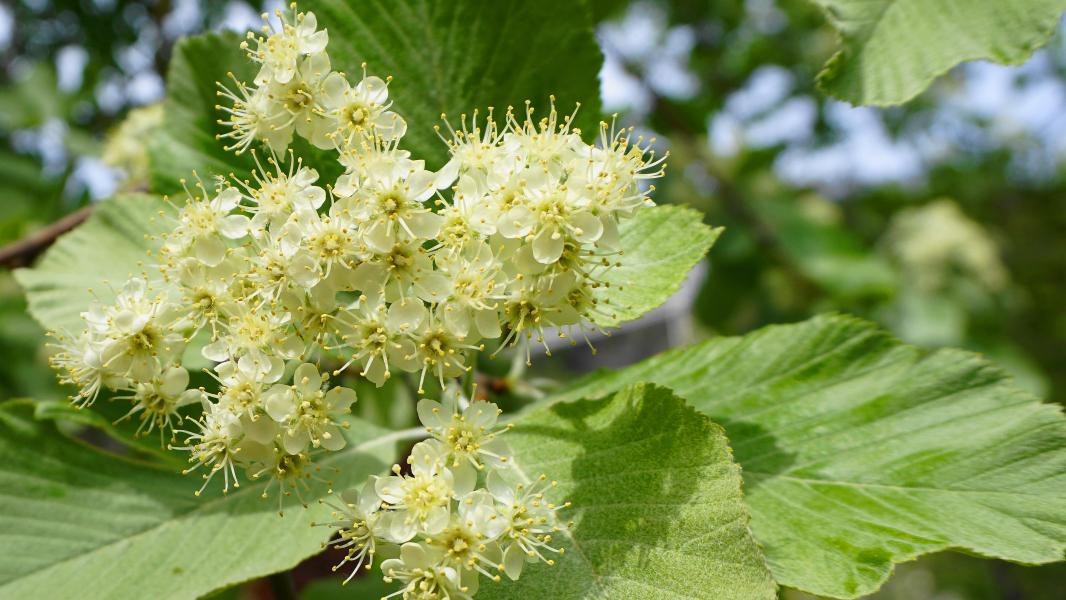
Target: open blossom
<point>420,502</point>
<point>470,437</point>
<point>205,223</point>
<point>280,50</point>
<point>356,520</point>
<point>355,115</point>
<point>156,402</point>
<point>421,575</point>
<point>307,413</point>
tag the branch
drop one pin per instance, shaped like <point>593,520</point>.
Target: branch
<point>24,251</point>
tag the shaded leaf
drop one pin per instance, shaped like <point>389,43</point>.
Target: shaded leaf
<point>657,508</point>
<point>453,57</point>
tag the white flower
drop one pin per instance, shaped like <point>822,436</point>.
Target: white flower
<point>373,342</point>
<point>280,51</point>
<point>420,502</point>
<point>301,96</point>
<point>356,114</point>
<point>306,413</point>
<point>254,114</point>
<point>277,195</point>
<point>439,351</point>
<point>327,240</point>
<point>80,361</point>
<point>468,542</point>
<point>157,401</point>
<point>356,522</point>
<point>244,381</point>
<point>249,330</point>
<point>215,445</point>
<point>205,291</point>
<point>136,336</point>
<point>529,521</point>
<point>475,287</point>
<point>469,437</point>
<point>423,577</point>
<point>389,204</point>
<point>204,224</point>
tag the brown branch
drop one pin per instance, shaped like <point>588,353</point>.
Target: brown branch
<point>22,252</point>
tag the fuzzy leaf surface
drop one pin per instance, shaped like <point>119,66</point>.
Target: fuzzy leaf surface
<point>859,452</point>
<point>891,50</point>
<point>76,522</point>
<point>657,504</point>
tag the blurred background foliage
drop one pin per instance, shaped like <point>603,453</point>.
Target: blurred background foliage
<point>941,219</point>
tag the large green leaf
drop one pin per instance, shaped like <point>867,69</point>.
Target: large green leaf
<point>657,505</point>
<point>860,452</point>
<point>186,142</point>
<point>453,57</point>
<point>660,245</point>
<point>100,255</point>
<point>893,49</point>
<point>78,523</point>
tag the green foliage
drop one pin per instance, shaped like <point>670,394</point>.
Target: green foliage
<point>187,141</point>
<point>77,522</point>
<point>453,57</point>
<point>860,452</point>
<point>657,505</point>
<point>660,245</point>
<point>893,49</point>
<point>100,255</point>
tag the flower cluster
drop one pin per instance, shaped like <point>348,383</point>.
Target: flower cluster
<point>453,515</point>
<point>280,281</point>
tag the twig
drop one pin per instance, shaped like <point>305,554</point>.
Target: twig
<point>22,252</point>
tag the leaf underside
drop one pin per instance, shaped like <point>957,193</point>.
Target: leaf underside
<point>891,50</point>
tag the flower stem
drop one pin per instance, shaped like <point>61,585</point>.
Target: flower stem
<point>470,378</point>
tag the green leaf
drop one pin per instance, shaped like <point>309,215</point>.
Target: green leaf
<point>186,141</point>
<point>453,57</point>
<point>78,523</point>
<point>891,50</point>
<point>860,452</point>
<point>100,255</point>
<point>657,506</point>
<point>661,245</point>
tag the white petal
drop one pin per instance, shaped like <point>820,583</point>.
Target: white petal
<point>547,246</point>
<point>464,478</point>
<point>234,226</point>
<point>589,227</point>
<point>175,380</point>
<point>278,402</point>
<point>335,441</point>
<point>295,441</point>
<point>340,399</point>
<point>210,250</point>
<point>306,380</point>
